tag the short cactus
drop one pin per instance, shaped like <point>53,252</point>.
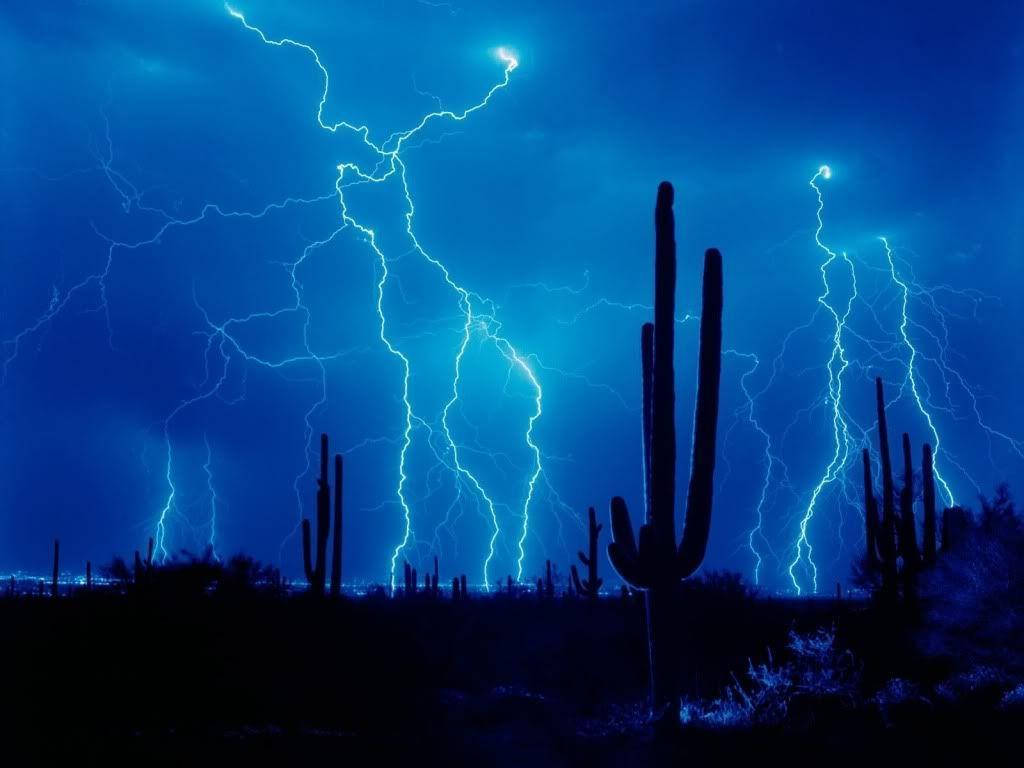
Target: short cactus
<point>590,586</point>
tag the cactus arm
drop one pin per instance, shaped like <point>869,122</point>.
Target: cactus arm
<point>622,551</point>
<point>622,529</point>
<point>576,580</point>
<point>702,462</point>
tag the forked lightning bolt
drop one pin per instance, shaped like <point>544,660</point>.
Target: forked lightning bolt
<point>476,311</point>
<point>835,367</point>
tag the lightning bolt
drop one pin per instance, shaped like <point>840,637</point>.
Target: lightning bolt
<point>918,344</point>
<point>836,367</point>
<point>756,534</point>
<point>912,374</point>
<point>208,469</point>
<point>390,164</point>
<point>892,348</point>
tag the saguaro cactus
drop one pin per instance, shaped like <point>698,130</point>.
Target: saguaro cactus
<point>928,496</point>
<point>316,569</point>
<point>592,584</point>
<point>142,567</point>
<point>336,534</point>
<point>657,564</point>
<point>886,540</point>
<point>410,579</point>
<point>870,514</point>
<point>908,526</point>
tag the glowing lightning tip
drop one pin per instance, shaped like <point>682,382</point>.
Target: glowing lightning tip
<point>508,57</point>
<point>825,171</point>
<point>233,12</point>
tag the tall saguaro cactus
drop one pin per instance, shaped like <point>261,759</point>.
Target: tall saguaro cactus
<point>591,585</point>
<point>928,496</point>
<point>887,533</point>
<point>871,523</point>
<point>316,569</point>
<point>656,564</point>
<point>336,534</point>
<point>908,526</point>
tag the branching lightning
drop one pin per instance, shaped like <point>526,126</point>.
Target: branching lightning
<point>883,347</point>
<point>876,317</point>
<point>836,367</point>
<point>390,164</point>
<point>214,500</point>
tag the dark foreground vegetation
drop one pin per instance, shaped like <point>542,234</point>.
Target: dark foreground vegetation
<point>195,661</point>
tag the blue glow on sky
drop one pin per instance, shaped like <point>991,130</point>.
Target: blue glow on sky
<point>426,230</point>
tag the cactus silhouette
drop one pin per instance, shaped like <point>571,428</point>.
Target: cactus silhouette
<point>886,539</point>
<point>316,569</point>
<point>928,531</point>
<point>657,564</point>
<point>871,522</point>
<point>143,567</point>
<point>410,579</point>
<point>336,534</point>
<point>590,586</point>
<point>955,522</point>
<point>908,526</point>
<point>892,546</point>
<point>547,589</point>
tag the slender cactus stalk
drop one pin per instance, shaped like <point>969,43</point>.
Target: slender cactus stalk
<point>887,533</point>
<point>908,526</point>
<point>336,534</point>
<point>591,586</point>
<point>928,497</point>
<point>316,570</point>
<point>870,514</point>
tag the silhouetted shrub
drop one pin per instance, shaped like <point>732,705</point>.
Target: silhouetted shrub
<point>817,676</point>
<point>974,596</point>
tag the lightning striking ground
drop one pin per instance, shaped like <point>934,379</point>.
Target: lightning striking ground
<point>389,164</point>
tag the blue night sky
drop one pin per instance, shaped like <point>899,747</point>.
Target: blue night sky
<point>184,308</point>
